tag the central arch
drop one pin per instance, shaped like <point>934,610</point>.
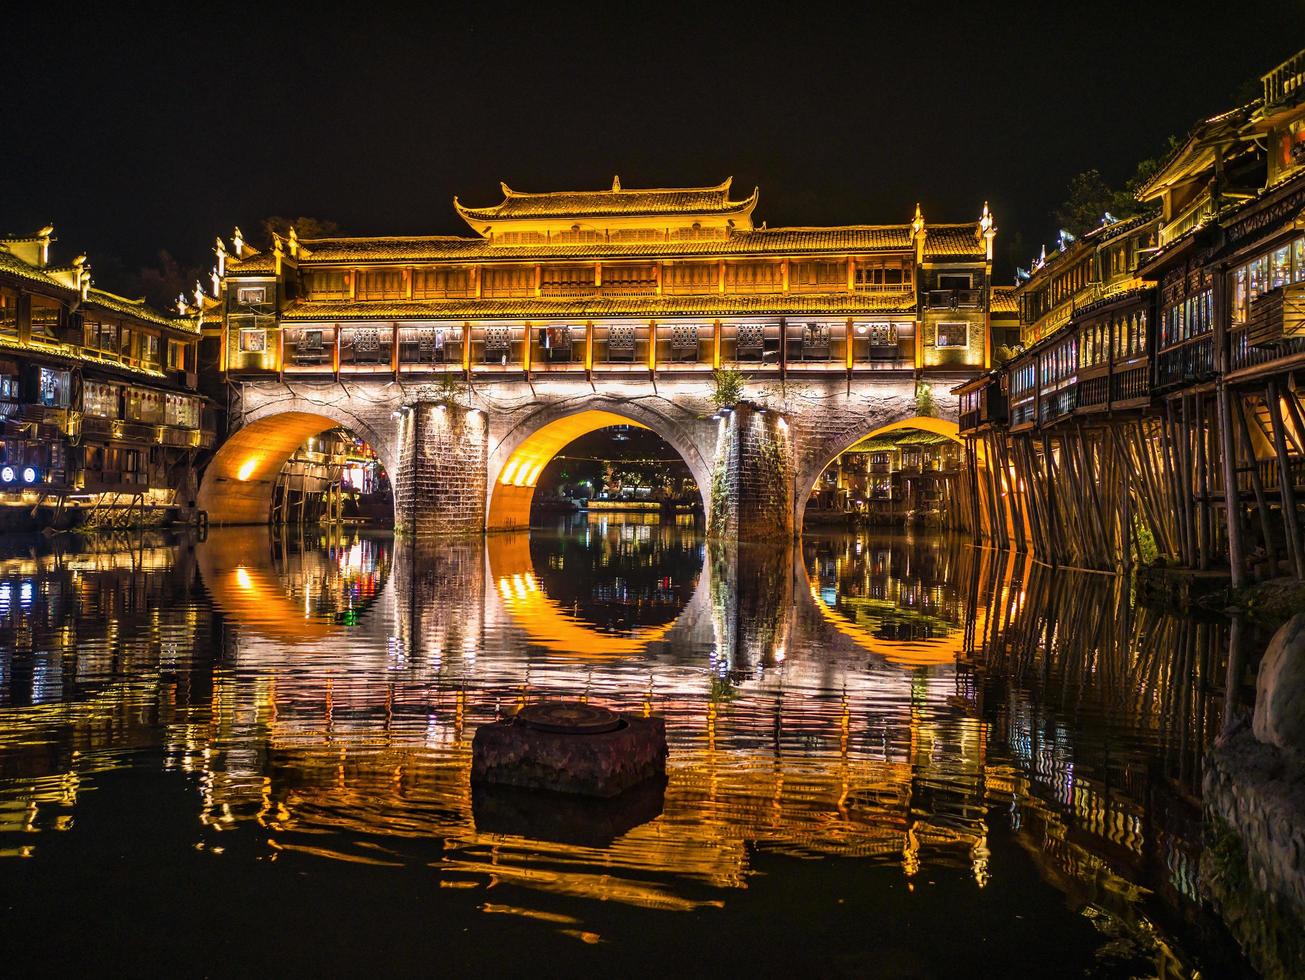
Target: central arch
<point>519,459</point>
<point>237,484</point>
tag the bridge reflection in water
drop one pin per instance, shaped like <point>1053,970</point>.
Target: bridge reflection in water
<point>896,699</point>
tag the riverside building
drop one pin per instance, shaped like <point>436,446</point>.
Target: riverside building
<point>100,420</point>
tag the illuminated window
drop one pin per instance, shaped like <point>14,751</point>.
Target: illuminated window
<point>100,335</point>
<point>149,350</point>
<point>253,341</point>
<point>953,335</point>
<point>380,284</point>
<point>327,285</point>
<point>46,315</point>
<point>53,388</point>
<point>251,295</point>
<point>8,312</point>
<point>100,400</point>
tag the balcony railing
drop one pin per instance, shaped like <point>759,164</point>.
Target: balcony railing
<point>1285,82</point>
<point>1192,362</point>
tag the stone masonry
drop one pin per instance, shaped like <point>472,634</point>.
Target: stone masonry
<point>445,460</point>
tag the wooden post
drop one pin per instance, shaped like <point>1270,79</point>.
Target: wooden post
<point>394,350</point>
<point>589,346</point>
<point>1257,485</point>
<point>1231,496</point>
<point>1286,491</point>
<point>783,347</point>
<point>715,345</point>
<point>849,343</point>
<point>652,346</point>
<point>466,348</point>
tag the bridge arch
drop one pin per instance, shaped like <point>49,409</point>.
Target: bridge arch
<point>238,482</point>
<point>807,477</point>
<point>521,454</point>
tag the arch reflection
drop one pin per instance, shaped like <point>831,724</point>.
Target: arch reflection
<point>293,589</point>
<point>598,589</point>
<point>897,597</point>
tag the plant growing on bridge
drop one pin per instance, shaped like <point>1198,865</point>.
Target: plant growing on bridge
<point>924,403</point>
<point>449,390</point>
<point>727,387</point>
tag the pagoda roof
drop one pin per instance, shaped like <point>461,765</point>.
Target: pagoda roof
<point>13,265</point>
<point>588,307</point>
<point>139,309</point>
<point>614,202</point>
<point>941,242</point>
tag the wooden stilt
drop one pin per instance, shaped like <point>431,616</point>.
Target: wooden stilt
<point>1286,491</point>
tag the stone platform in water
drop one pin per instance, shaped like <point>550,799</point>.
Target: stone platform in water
<point>570,747</point>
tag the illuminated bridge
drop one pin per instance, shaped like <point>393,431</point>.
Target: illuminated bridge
<point>468,362</point>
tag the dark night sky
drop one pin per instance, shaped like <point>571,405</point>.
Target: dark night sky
<point>160,128</point>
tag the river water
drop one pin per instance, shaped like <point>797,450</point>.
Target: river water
<point>890,755</point>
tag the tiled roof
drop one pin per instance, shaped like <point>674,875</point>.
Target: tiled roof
<point>957,240</point>
<point>13,265</point>
<point>552,308</point>
<point>260,262</point>
<point>616,201</point>
<point>1003,299</point>
<point>99,299</point>
<point>960,240</point>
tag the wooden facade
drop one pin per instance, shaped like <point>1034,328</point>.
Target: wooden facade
<point>98,400</point>
<point>1155,411</point>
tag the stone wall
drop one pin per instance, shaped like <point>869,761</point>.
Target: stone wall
<point>769,466</point>
<point>439,490</point>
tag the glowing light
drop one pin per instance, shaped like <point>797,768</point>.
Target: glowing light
<point>242,577</point>
<point>29,474</point>
<point>7,474</point>
<point>509,471</point>
<point>247,469</point>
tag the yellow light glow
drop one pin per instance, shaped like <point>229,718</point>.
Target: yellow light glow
<point>242,577</point>
<point>246,469</point>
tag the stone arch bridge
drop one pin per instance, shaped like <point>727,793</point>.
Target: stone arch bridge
<point>470,463</point>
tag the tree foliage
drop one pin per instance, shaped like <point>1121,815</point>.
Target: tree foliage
<point>1090,197</point>
<point>727,387</point>
<point>304,227</point>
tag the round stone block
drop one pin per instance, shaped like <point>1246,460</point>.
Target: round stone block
<point>569,747</point>
<point>1280,689</point>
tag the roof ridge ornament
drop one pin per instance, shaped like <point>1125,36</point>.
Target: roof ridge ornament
<point>616,182</point>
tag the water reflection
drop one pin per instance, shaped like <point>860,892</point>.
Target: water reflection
<point>931,710</point>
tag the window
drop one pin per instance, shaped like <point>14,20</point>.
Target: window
<point>8,312</point>
<point>253,341</point>
<point>1298,260</point>
<point>149,350</point>
<point>567,280</point>
<point>1280,267</point>
<point>954,280</point>
<point>630,277</point>
<point>953,335</point>
<point>127,341</point>
<point>427,283</point>
<point>144,405</point>
<point>251,295</point>
<point>181,411</point>
<point>100,335</point>
<point>53,387</point>
<point>690,277</point>
<point>1240,299</point>
<point>817,275</point>
<point>880,277</point>
<point>380,284</point>
<point>327,285</point>
<point>8,380</point>
<point>45,318</point>
<point>100,400</point>
<point>515,281</point>
<point>177,355</point>
<point>753,277</point>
